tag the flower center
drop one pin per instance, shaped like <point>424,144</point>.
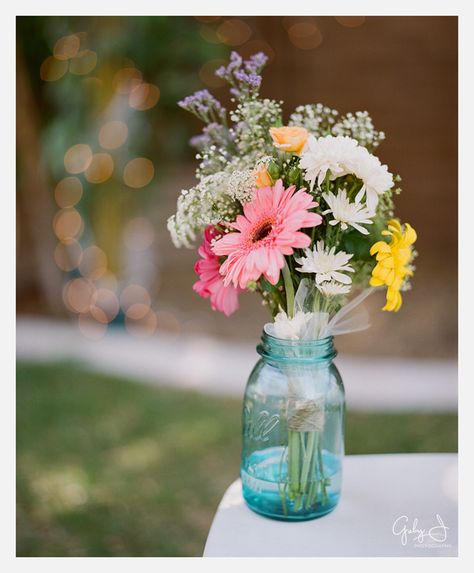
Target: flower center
<point>262,231</point>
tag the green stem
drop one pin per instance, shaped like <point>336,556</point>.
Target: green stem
<point>313,493</point>
<point>310,451</point>
<point>327,181</point>
<point>282,488</point>
<point>303,447</point>
<point>322,476</point>
<point>289,290</point>
<point>293,462</point>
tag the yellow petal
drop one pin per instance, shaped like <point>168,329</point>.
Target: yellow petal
<point>375,282</point>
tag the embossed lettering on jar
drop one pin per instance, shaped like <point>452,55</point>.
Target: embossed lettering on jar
<point>293,430</point>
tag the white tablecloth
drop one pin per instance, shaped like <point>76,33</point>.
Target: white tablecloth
<point>391,505</point>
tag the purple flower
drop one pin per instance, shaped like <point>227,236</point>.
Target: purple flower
<point>256,62</point>
<point>200,142</point>
<point>243,76</point>
<point>204,105</point>
<point>213,134</point>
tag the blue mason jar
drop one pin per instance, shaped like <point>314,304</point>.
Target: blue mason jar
<point>293,430</point>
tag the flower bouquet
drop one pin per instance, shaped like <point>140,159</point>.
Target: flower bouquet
<point>302,214</point>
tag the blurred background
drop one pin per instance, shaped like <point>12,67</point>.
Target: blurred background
<point>127,431</point>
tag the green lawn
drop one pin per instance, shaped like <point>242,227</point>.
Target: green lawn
<point>107,467</point>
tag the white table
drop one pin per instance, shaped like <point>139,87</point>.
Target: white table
<point>381,494</point>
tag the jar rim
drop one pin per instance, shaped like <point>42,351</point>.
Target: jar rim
<point>290,342</point>
<point>302,351</point>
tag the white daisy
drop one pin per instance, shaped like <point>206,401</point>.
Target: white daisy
<point>326,264</point>
<point>375,177</point>
<point>333,153</point>
<point>347,213</point>
<point>342,155</point>
<point>333,288</point>
<point>289,328</point>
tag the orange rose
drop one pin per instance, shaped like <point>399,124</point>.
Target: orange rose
<point>262,177</point>
<point>291,139</point>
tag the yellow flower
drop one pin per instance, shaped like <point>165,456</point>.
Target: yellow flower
<point>262,177</point>
<point>289,138</point>
<point>392,262</point>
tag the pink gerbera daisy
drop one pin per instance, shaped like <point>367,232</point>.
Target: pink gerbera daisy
<point>268,230</point>
<point>224,298</point>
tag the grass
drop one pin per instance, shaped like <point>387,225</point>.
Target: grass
<point>107,467</point>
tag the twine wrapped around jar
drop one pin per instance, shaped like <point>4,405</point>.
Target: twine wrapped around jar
<point>305,415</point>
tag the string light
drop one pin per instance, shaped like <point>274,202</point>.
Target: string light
<point>83,63</point>
<point>68,192</point>
<point>143,327</point>
<point>113,134</point>
<point>77,158</point>
<point>134,294</point>
<point>52,69</point>
<point>77,295</point>
<point>93,263</point>
<point>254,46</point>
<point>234,32</point>
<point>138,172</point>
<point>68,254</point>
<point>144,96</point>
<point>67,47</point>
<point>67,224</point>
<point>350,21</point>
<point>127,79</point>
<point>105,305</point>
<point>305,35</point>
<point>209,35</point>
<point>100,169</point>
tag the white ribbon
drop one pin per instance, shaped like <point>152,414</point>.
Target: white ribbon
<point>311,325</point>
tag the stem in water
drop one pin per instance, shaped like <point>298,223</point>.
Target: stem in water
<point>289,290</point>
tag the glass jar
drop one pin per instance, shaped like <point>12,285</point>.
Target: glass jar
<point>293,430</point>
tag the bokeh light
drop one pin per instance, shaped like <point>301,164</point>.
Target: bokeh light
<point>127,79</point>
<point>77,158</point>
<point>144,96</point>
<point>98,314</point>
<point>139,234</point>
<point>93,87</point>
<point>78,295</point>
<point>68,254</point>
<point>138,172</point>
<point>134,294</point>
<point>207,74</point>
<point>67,47</point>
<point>90,327</point>
<point>209,35</point>
<point>137,311</point>
<point>142,327</point>
<point>67,224</point>
<point>254,46</point>
<point>305,35</point>
<point>83,63</point>
<point>68,192</point>
<point>113,134</point>
<point>105,305</point>
<point>93,263</point>
<point>350,21</point>
<point>52,69</point>
<point>100,168</point>
<point>107,281</point>
<point>234,32</point>
<point>167,322</point>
